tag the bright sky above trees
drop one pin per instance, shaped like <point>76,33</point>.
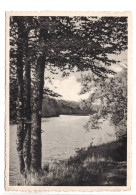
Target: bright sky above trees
<point>69,88</point>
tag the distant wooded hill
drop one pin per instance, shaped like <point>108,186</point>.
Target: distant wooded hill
<point>52,107</point>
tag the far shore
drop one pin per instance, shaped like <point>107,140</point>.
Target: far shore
<point>66,115</point>
<point>54,116</point>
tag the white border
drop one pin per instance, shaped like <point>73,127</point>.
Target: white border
<point>101,5</point>
<point>70,188</point>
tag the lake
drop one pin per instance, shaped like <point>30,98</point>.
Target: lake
<point>60,138</point>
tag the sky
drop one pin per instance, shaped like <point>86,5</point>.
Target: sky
<point>70,88</point>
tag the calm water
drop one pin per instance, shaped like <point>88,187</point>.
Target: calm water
<point>60,138</point>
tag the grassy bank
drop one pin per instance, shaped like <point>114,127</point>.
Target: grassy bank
<point>103,165</point>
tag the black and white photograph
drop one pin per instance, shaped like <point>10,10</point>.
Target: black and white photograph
<point>68,100</point>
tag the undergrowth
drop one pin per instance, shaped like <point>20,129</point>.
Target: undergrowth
<point>103,165</point>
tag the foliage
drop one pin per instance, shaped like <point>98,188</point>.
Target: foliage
<point>71,41</point>
<point>112,94</point>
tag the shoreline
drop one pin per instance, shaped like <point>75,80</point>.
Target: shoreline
<point>54,116</point>
<point>101,165</point>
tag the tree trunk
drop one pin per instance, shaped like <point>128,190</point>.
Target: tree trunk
<point>27,109</point>
<point>20,103</point>
<point>37,97</point>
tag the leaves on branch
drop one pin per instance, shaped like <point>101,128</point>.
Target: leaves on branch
<point>47,91</point>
